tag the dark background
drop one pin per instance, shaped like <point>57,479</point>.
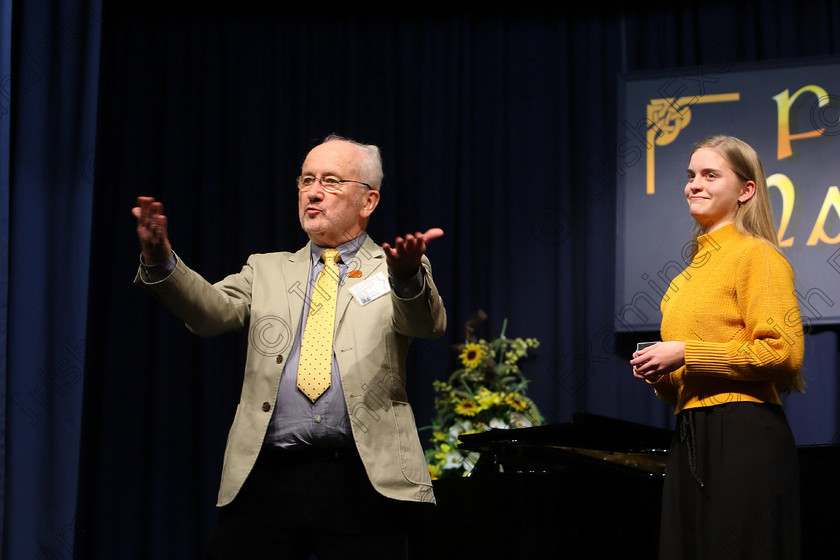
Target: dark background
<point>493,125</point>
<point>496,124</point>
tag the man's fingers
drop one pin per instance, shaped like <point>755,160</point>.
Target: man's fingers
<point>432,233</point>
<point>151,222</point>
<point>147,207</point>
<point>159,222</point>
<point>389,250</point>
<point>411,244</point>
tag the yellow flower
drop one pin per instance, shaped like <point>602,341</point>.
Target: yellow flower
<point>472,355</point>
<point>517,401</point>
<point>441,452</point>
<point>466,407</point>
<point>487,399</point>
<point>477,397</point>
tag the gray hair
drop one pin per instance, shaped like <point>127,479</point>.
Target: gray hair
<point>370,168</point>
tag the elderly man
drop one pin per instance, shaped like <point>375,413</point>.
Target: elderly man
<point>323,455</point>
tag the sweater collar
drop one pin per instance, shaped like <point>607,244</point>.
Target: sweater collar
<point>718,237</point>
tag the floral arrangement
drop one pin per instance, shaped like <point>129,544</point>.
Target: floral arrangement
<point>487,391</point>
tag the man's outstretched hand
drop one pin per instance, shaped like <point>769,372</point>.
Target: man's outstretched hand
<point>404,255</point>
<point>151,230</point>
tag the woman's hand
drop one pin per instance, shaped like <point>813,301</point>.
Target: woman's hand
<point>653,362</point>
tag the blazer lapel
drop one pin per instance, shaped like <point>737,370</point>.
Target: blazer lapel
<point>296,276</point>
<point>369,260</point>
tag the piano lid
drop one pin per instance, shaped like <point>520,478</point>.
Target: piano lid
<point>589,441</point>
<point>585,431</point>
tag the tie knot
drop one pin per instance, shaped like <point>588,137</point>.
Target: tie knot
<point>329,256</point>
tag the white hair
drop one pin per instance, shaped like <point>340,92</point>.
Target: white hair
<point>370,169</point>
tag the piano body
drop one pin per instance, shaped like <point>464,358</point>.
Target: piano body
<point>587,489</point>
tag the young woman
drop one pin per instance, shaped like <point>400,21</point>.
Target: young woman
<point>732,343</point>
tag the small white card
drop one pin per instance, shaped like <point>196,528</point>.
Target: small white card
<point>370,289</point>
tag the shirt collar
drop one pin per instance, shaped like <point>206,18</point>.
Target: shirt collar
<point>346,250</point>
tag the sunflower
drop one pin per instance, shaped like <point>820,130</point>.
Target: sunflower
<point>517,401</point>
<point>486,391</point>
<point>472,355</point>
<point>466,407</point>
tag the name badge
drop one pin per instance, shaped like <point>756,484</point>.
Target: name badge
<point>374,287</point>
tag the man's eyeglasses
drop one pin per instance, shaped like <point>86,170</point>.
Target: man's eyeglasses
<point>330,184</point>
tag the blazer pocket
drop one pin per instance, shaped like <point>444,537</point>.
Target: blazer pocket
<point>412,460</point>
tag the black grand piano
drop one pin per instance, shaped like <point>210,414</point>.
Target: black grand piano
<point>587,489</point>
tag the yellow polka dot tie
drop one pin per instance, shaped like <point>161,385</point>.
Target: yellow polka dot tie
<point>316,345</point>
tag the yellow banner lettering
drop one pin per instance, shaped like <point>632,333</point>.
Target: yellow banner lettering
<point>785,186</point>
<point>831,202</point>
<point>784,102</point>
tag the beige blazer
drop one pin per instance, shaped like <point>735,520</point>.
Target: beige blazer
<point>371,342</point>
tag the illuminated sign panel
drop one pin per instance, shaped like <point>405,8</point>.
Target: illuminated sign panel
<point>790,114</point>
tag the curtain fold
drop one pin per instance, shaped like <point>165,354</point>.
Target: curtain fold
<point>48,92</point>
<point>499,127</point>
<point>5,178</point>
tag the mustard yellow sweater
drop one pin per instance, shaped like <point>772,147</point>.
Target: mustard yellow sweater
<point>734,307</point>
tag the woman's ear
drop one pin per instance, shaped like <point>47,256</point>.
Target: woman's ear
<point>747,191</point>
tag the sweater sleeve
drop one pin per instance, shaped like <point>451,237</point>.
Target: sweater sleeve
<point>771,344</point>
<point>665,390</point>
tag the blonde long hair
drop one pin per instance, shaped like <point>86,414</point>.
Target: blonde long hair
<point>754,216</point>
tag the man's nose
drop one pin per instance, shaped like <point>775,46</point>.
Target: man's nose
<point>316,191</point>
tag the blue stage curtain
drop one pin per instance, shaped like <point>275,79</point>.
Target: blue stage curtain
<point>498,126</point>
<point>5,143</point>
<point>48,91</point>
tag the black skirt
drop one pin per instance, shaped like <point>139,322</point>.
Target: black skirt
<point>731,485</point>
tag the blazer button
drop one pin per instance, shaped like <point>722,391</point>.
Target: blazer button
<point>279,358</point>
<point>266,406</point>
